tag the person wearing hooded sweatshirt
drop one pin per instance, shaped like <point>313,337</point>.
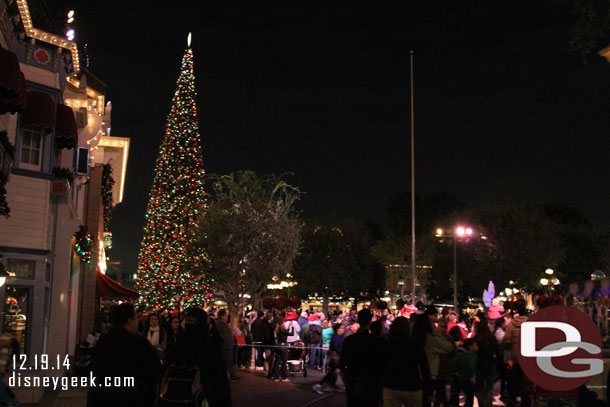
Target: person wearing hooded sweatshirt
<point>515,374</point>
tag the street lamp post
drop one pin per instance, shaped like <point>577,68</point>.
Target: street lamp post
<point>456,233</point>
<point>401,283</point>
<point>551,281</point>
<point>455,282</point>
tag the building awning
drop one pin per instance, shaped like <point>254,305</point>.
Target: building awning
<point>66,134</point>
<point>9,74</point>
<point>106,287</point>
<point>40,111</point>
<point>12,84</point>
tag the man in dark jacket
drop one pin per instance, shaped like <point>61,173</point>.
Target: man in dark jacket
<point>122,353</point>
<point>362,364</point>
<point>269,340</point>
<point>226,334</point>
<point>257,338</point>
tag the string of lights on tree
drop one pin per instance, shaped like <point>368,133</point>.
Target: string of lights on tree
<point>165,272</point>
<point>107,199</point>
<point>83,240</point>
<point>108,241</point>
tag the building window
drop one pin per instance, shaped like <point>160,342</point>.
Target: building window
<point>21,268</point>
<point>31,148</point>
<point>16,317</point>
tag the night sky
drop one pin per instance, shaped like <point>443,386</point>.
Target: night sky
<point>504,111</point>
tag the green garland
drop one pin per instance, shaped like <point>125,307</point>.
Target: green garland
<point>108,240</point>
<point>107,199</point>
<point>82,244</point>
<point>4,209</point>
<point>8,147</point>
<point>10,150</point>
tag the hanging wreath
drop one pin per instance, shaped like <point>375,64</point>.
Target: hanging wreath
<point>7,155</point>
<point>82,244</point>
<point>268,303</point>
<point>108,240</point>
<point>107,199</point>
<point>295,302</point>
<point>282,302</point>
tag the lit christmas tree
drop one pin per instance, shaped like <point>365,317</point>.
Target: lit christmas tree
<point>166,270</point>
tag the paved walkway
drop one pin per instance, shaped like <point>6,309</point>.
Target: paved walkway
<point>253,390</point>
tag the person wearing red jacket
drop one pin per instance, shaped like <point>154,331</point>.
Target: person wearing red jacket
<point>495,311</point>
<point>460,327</point>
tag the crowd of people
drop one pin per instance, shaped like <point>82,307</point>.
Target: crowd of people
<point>416,356</point>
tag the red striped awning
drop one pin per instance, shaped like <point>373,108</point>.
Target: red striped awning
<point>12,84</point>
<point>9,74</point>
<point>66,134</point>
<point>106,287</point>
<point>40,111</point>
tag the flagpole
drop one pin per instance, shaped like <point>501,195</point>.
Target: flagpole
<point>414,275</point>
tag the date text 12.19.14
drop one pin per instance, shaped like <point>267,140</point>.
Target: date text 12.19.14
<point>41,362</point>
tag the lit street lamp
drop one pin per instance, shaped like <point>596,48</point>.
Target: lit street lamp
<point>551,281</point>
<point>3,274</point>
<point>458,232</point>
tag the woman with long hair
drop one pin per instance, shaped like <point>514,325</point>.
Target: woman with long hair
<point>155,335</point>
<point>406,370</point>
<point>486,362</point>
<point>174,330</point>
<point>280,365</point>
<point>435,346</point>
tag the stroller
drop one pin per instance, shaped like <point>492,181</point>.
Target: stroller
<point>296,359</point>
<point>84,362</point>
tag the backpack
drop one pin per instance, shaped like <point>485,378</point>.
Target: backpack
<point>315,334</point>
<point>181,386</point>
